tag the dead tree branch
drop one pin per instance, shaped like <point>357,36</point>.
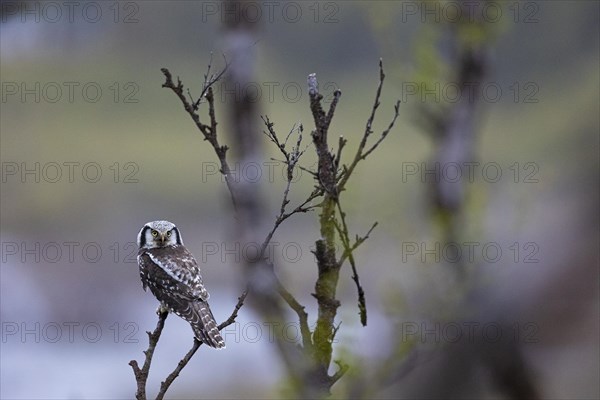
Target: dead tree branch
<point>347,254</point>
<point>291,162</point>
<point>141,374</point>
<point>209,131</point>
<point>164,386</point>
<point>332,220</point>
<point>209,80</point>
<point>361,154</point>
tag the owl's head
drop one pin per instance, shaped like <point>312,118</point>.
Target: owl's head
<point>159,234</point>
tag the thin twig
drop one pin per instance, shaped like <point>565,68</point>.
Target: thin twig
<point>312,173</point>
<point>234,314</point>
<point>342,142</point>
<point>348,253</point>
<point>301,208</point>
<point>291,160</point>
<point>358,241</point>
<point>210,80</point>
<point>360,152</point>
<point>385,132</point>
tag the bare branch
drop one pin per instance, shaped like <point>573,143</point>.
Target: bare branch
<point>141,375</point>
<point>338,158</point>
<point>336,329</point>
<point>358,241</point>
<point>210,80</point>
<point>209,131</point>
<point>164,386</point>
<point>385,132</point>
<point>312,173</point>
<point>291,160</point>
<point>360,152</point>
<point>336,97</point>
<point>348,253</point>
<point>301,208</point>
<point>302,315</point>
<point>234,314</point>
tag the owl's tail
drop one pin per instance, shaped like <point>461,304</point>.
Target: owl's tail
<point>205,327</point>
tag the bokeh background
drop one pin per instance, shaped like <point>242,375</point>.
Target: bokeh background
<point>82,171</point>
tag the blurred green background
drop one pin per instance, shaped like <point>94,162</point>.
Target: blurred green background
<point>155,165</point>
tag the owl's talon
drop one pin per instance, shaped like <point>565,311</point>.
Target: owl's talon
<point>161,309</point>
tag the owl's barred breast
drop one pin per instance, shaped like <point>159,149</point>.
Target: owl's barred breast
<point>177,262</point>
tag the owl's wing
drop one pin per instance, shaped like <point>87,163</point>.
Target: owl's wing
<point>179,269</point>
<point>175,284</point>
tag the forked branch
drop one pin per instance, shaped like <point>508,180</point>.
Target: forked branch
<point>361,153</point>
<point>209,131</point>
<point>141,374</point>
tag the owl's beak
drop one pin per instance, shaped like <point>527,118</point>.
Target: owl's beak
<point>163,238</point>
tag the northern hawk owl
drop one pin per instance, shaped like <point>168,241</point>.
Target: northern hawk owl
<point>173,276</point>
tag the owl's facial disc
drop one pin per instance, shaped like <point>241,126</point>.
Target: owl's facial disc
<point>159,234</point>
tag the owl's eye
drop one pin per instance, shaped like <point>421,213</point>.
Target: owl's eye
<point>169,234</point>
<point>154,233</point>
